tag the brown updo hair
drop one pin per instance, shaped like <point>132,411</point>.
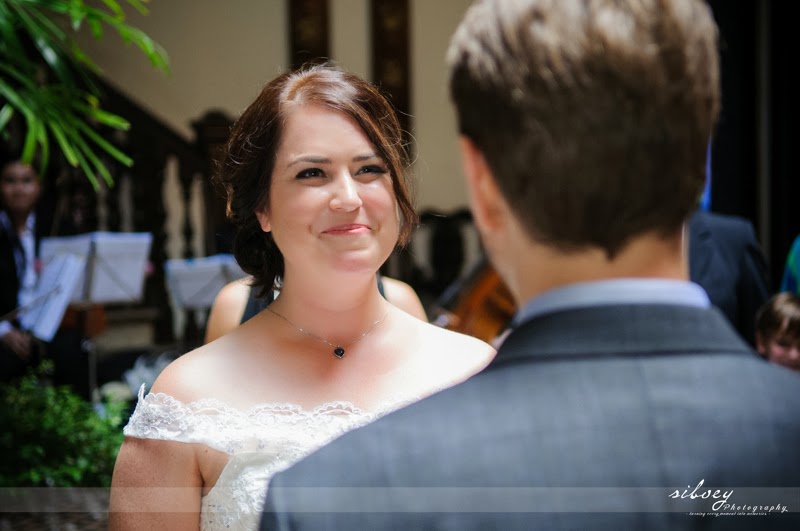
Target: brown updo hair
<point>249,157</point>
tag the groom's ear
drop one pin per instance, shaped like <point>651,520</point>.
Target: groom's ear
<point>486,201</point>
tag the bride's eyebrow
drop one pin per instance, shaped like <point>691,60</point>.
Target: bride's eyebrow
<point>369,156</point>
<point>310,159</point>
<point>322,160</point>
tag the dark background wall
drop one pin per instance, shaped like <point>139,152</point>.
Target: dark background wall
<point>785,184</point>
<point>757,99</point>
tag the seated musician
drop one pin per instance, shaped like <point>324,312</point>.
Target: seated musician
<point>21,228</point>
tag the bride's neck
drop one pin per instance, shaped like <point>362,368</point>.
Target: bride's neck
<point>337,311</point>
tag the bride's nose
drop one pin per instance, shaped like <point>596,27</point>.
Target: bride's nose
<point>345,193</point>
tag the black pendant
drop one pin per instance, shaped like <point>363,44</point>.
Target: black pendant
<point>338,352</point>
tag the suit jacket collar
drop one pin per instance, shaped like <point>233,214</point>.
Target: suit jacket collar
<point>621,330</point>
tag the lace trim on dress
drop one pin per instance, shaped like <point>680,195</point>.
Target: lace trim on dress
<point>222,427</point>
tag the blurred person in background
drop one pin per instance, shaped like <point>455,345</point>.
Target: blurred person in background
<point>778,330</point>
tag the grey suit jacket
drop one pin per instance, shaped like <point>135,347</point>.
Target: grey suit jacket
<point>595,418</point>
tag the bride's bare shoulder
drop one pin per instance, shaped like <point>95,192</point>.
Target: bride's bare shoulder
<point>447,344</point>
<point>195,375</point>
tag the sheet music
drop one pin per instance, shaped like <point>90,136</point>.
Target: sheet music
<point>194,283</point>
<point>119,263</point>
<point>53,294</point>
<point>79,245</point>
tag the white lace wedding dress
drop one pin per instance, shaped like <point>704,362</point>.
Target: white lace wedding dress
<point>260,441</point>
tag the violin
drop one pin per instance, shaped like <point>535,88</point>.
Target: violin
<point>479,305</point>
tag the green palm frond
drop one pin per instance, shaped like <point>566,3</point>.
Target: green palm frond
<point>47,79</point>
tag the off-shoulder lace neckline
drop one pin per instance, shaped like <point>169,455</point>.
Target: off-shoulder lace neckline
<point>332,407</point>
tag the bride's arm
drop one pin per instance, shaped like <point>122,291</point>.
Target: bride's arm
<point>156,485</point>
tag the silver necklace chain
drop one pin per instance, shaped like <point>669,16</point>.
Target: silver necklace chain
<point>338,350</point>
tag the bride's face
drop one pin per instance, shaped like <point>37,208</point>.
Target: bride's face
<point>331,197</point>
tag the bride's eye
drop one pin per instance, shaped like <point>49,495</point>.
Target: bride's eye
<point>309,173</point>
<point>373,169</point>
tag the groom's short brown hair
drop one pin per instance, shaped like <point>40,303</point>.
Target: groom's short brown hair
<point>593,115</point>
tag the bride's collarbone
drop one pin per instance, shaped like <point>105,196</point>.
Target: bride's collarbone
<point>274,372</point>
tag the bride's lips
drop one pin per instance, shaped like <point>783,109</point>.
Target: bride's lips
<point>346,230</point>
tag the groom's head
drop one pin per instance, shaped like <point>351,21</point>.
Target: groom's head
<point>592,117</point>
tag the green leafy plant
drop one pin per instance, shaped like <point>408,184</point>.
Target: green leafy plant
<point>48,79</point>
<point>52,437</point>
